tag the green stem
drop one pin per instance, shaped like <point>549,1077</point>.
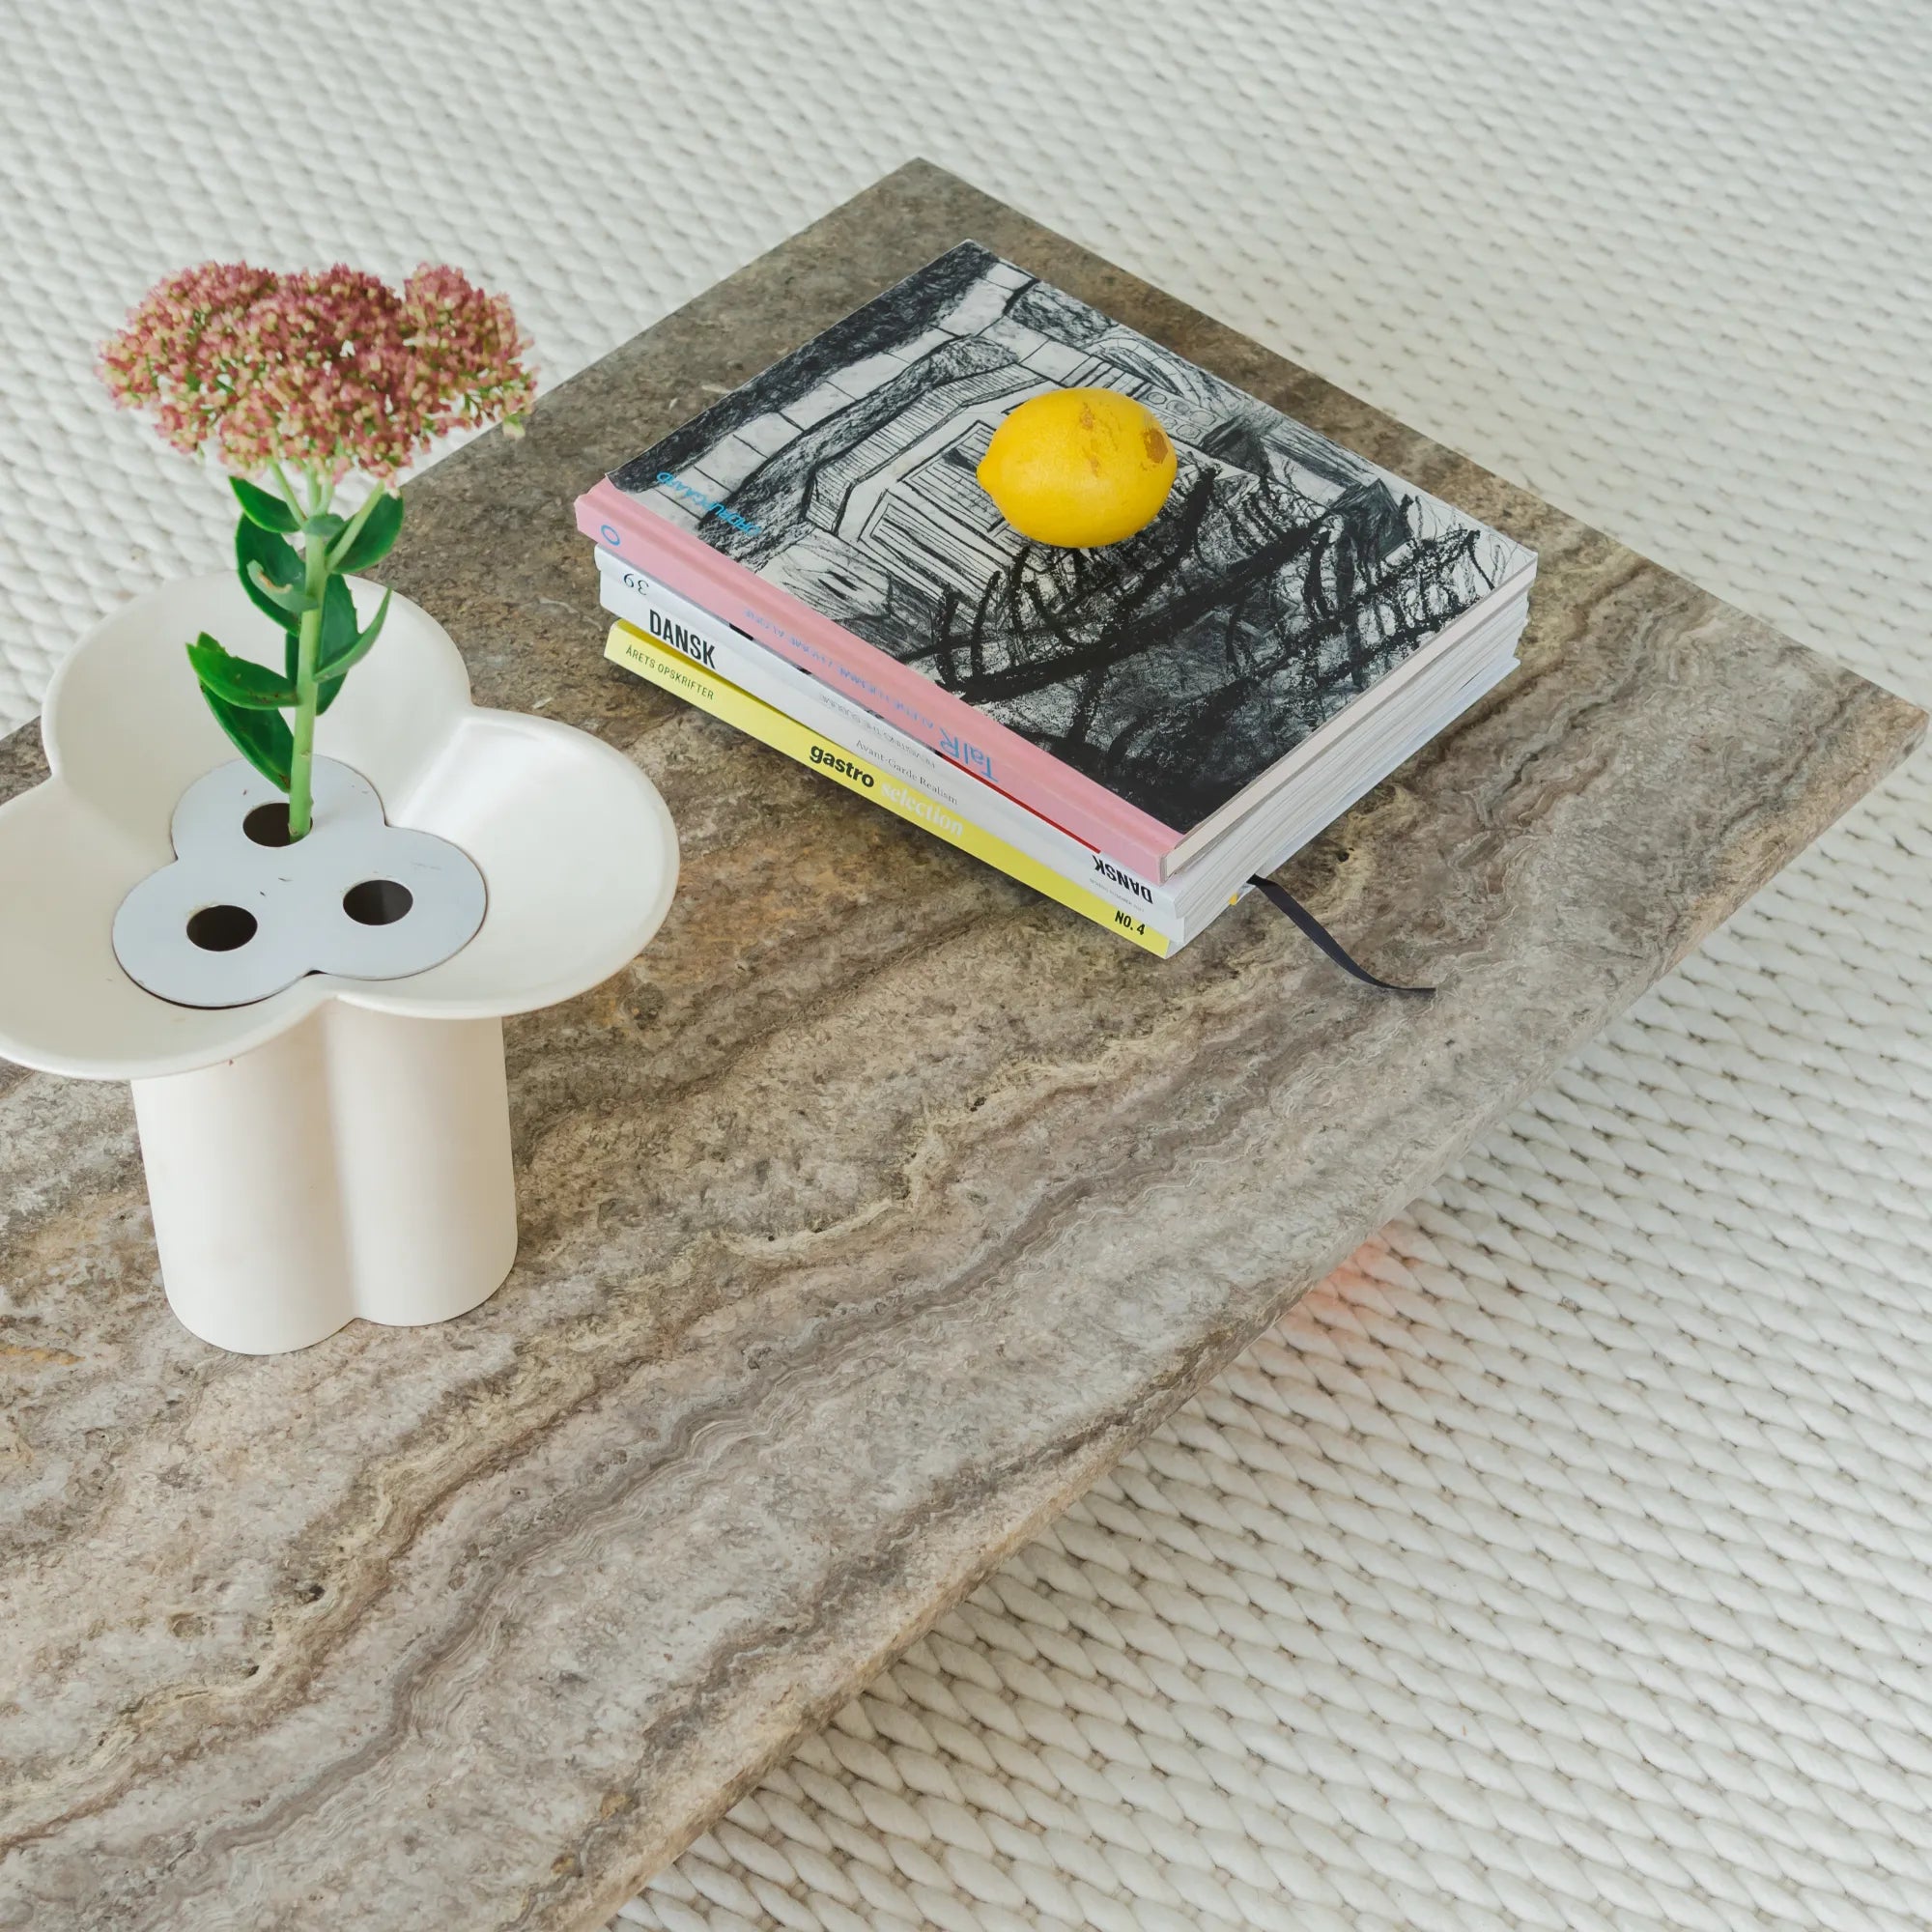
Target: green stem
<point>339,548</point>
<point>287,489</point>
<point>308,640</point>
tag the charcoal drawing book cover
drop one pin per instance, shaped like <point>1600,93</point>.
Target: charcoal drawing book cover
<point>1145,695</point>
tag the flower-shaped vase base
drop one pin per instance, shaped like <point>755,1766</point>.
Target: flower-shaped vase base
<point>358,1164</point>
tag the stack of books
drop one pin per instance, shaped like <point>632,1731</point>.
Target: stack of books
<point>1137,730</point>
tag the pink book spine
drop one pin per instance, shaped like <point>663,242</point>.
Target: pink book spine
<point>902,697</point>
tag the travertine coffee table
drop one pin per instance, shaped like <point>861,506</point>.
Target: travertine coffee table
<point>867,1218</point>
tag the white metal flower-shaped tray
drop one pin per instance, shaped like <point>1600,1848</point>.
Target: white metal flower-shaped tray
<point>242,913</point>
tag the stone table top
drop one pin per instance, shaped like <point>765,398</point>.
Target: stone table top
<point>867,1218</point>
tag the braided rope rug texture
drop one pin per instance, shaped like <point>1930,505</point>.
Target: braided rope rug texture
<point>1565,1560</point>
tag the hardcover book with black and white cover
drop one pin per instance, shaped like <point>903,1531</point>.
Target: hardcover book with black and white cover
<point>1148,697</point>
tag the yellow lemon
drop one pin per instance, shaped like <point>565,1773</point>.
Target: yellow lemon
<point>1079,468</point>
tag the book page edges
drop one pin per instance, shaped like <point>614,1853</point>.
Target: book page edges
<point>637,651</point>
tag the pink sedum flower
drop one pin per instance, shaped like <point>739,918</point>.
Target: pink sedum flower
<point>331,372</point>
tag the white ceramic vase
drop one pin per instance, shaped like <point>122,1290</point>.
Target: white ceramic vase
<point>342,1146</point>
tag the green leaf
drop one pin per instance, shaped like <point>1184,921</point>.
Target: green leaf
<point>262,737</point>
<point>259,550</point>
<point>338,623</point>
<point>261,508</point>
<point>252,686</point>
<point>294,603</point>
<point>340,662</point>
<point>327,527</point>
<point>375,539</point>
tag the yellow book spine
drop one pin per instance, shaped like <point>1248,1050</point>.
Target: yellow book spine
<point>638,652</point>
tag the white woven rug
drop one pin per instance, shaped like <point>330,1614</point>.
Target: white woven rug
<point>1567,1561</point>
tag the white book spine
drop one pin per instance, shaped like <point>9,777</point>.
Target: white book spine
<point>627,592</point>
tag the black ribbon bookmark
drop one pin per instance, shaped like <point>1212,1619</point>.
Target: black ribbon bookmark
<point>1311,928</point>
